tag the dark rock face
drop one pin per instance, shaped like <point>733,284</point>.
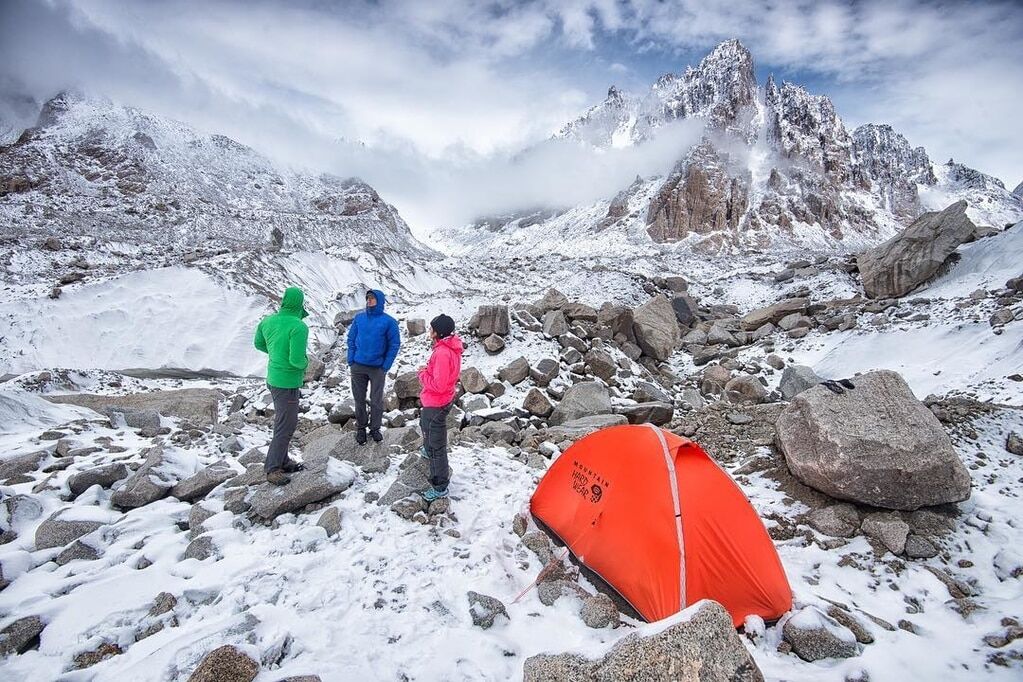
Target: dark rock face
<point>705,647</point>
<point>910,258</point>
<point>875,444</point>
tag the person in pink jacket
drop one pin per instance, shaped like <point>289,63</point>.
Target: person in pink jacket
<point>438,379</point>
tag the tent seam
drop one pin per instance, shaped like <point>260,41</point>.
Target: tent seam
<point>678,515</point>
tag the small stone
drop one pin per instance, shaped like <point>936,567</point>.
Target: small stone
<point>485,610</point>
<point>330,521</point>
<point>599,611</point>
<point>225,664</point>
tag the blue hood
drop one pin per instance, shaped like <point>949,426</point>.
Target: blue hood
<point>378,309</point>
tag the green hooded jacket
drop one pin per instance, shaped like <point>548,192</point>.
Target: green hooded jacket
<point>283,336</point>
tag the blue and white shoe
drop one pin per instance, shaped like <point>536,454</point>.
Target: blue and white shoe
<point>424,454</point>
<point>431,494</point>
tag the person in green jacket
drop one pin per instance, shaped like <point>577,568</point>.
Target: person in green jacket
<point>283,336</point>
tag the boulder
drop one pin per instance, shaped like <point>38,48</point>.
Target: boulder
<point>745,389</point>
<point>413,477</point>
<point>1014,443</point>
<point>836,520</point>
<point>493,344</point>
<point>552,300</point>
<point>485,610</point>
<point>225,664</point>
<point>150,482</point>
<point>21,635</point>
<point>773,313</point>
<point>57,531</point>
<point>656,328</point>
<point>77,551</point>
<point>912,257</point>
<point>888,529</point>
<point>330,521</point>
<point>685,308</point>
<point>544,371</point>
<point>407,386</point>
<point>537,404</point>
<point>103,476</point>
<point>700,644</point>
<point>618,320</point>
<point>714,378</point>
<point>599,611</point>
<point>554,324</point>
<point>815,636</point>
<point>415,326</point>
<point>795,379</point>
<point>492,319</point>
<point>198,405</point>
<point>600,364</point>
<point>342,413</point>
<point>21,464</point>
<point>577,428</point>
<point>582,400</point>
<point>200,484</point>
<point>473,380</point>
<point>200,548</point>
<point>322,479</point>
<point>580,312</point>
<point>19,510</point>
<point>653,413</point>
<point>875,444</point>
<point>515,372</point>
<point>646,392</point>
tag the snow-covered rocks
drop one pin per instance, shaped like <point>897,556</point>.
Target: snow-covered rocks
<point>913,256</point>
<point>321,479</point>
<point>198,405</point>
<point>201,483</point>
<point>150,482</point>
<point>103,476</point>
<point>814,636</point>
<point>656,328</point>
<point>875,444</point>
<point>486,610</point>
<point>700,642</point>
<point>20,635</point>
<point>599,611</point>
<point>66,526</point>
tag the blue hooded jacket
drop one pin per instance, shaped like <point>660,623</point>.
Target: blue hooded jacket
<point>373,338</point>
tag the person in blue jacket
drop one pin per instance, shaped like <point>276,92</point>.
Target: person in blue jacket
<point>373,342</point>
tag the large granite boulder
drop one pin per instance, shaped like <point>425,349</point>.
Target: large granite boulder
<point>322,478</point>
<point>202,482</point>
<point>773,314</point>
<point>700,645</point>
<point>103,476</point>
<point>577,428</point>
<point>150,482</point>
<point>875,444</point>
<point>64,527</point>
<point>491,319</point>
<point>582,400</point>
<point>656,328</point>
<point>910,258</point>
<point>197,405</point>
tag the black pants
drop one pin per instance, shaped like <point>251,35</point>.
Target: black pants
<point>433,422</point>
<point>285,421</point>
<point>374,377</point>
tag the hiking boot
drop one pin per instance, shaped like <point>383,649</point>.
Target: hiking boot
<point>424,454</point>
<point>291,466</point>
<point>376,435</point>
<point>432,494</point>
<point>360,436</point>
<point>278,477</point>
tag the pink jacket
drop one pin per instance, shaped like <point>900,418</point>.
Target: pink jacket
<point>441,372</point>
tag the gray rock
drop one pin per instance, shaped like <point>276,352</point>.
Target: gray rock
<point>836,520</point>
<point>552,300</point>
<point>875,444</point>
<point>492,319</point>
<point>103,476</point>
<point>407,385</point>
<point>705,647</point>
<point>919,547</point>
<point>19,510</point>
<point>795,379</point>
<point>910,258</point>
<point>201,483</point>
<point>373,457</point>
<point>718,334</point>
<point>815,636</point>
<point>22,464</point>
<point>652,413</point>
<point>225,664</point>
<point>773,313</point>
<point>415,326</point>
<point>146,421</point>
<point>601,364</point>
<point>845,618</point>
<point>582,400</point>
<point>198,515</point>
<point>713,379</point>
<point>231,444</point>
<point>550,591</point>
<point>58,532</point>
<point>646,392</point>
<point>341,413</point>
<point>554,324</point>
<point>148,484</point>
<point>580,311</point>
<point>77,551</point>
<point>1014,443</point>
<point>413,477</point>
<point>322,479</point>
<point>544,371</point>
<point>21,635</point>
<point>516,372</point>
<point>656,328</point>
<point>577,428</point>
<point>473,380</point>
<point>493,344</point>
<point>485,610</point>
<point>888,529</point>
<point>198,405</point>
<point>200,548</point>
<point>745,389</point>
<point>408,507</point>
<point>539,544</point>
<point>774,361</point>
<point>599,611</point>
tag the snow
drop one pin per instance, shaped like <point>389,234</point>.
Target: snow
<point>20,410</point>
<point>986,263</point>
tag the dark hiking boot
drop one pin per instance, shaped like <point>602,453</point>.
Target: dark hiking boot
<point>360,436</point>
<point>278,477</point>
<point>291,466</point>
<point>376,435</point>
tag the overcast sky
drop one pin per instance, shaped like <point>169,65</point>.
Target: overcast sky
<point>402,91</point>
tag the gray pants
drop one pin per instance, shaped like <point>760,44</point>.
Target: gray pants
<point>374,377</point>
<point>285,421</point>
<point>433,422</point>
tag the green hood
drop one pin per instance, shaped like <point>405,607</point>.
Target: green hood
<point>293,302</point>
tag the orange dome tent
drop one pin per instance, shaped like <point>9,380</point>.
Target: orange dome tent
<point>654,517</point>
